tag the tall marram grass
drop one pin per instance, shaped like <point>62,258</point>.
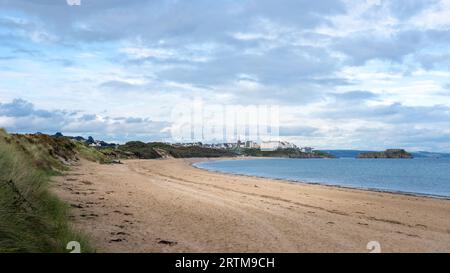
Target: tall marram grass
<point>31,218</point>
<point>90,153</point>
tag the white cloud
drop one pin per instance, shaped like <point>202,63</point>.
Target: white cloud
<point>434,17</point>
<point>142,53</point>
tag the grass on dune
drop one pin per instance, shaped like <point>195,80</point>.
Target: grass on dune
<point>90,153</point>
<point>31,218</point>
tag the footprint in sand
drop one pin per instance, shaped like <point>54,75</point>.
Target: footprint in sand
<point>128,222</point>
<point>421,226</point>
<point>166,242</point>
<point>92,215</point>
<point>124,213</point>
<point>120,233</point>
<point>117,240</point>
<point>77,206</point>
<point>408,234</point>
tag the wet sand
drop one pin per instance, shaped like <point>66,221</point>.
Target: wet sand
<point>170,206</point>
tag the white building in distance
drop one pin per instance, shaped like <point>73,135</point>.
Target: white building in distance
<point>251,145</point>
<point>275,145</point>
<point>306,149</point>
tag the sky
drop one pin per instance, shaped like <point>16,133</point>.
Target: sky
<point>345,74</point>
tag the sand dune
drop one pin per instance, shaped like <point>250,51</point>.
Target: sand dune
<point>170,206</point>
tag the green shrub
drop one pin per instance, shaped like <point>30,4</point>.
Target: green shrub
<point>89,153</point>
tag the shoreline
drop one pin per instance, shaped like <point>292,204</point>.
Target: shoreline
<point>171,206</point>
<point>293,181</point>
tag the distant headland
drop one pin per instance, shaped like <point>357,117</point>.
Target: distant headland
<point>154,150</point>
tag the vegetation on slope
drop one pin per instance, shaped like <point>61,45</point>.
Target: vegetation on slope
<point>154,150</point>
<point>31,218</point>
<point>90,153</point>
<point>290,153</point>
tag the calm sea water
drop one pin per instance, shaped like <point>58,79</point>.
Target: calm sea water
<point>425,176</point>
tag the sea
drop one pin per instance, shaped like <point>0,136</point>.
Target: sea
<point>419,176</point>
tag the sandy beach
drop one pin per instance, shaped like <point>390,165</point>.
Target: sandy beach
<point>170,206</point>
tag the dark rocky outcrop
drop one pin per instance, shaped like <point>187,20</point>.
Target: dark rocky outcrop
<point>390,153</point>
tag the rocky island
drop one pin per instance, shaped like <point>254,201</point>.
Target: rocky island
<point>389,153</point>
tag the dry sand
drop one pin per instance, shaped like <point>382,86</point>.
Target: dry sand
<point>170,206</point>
